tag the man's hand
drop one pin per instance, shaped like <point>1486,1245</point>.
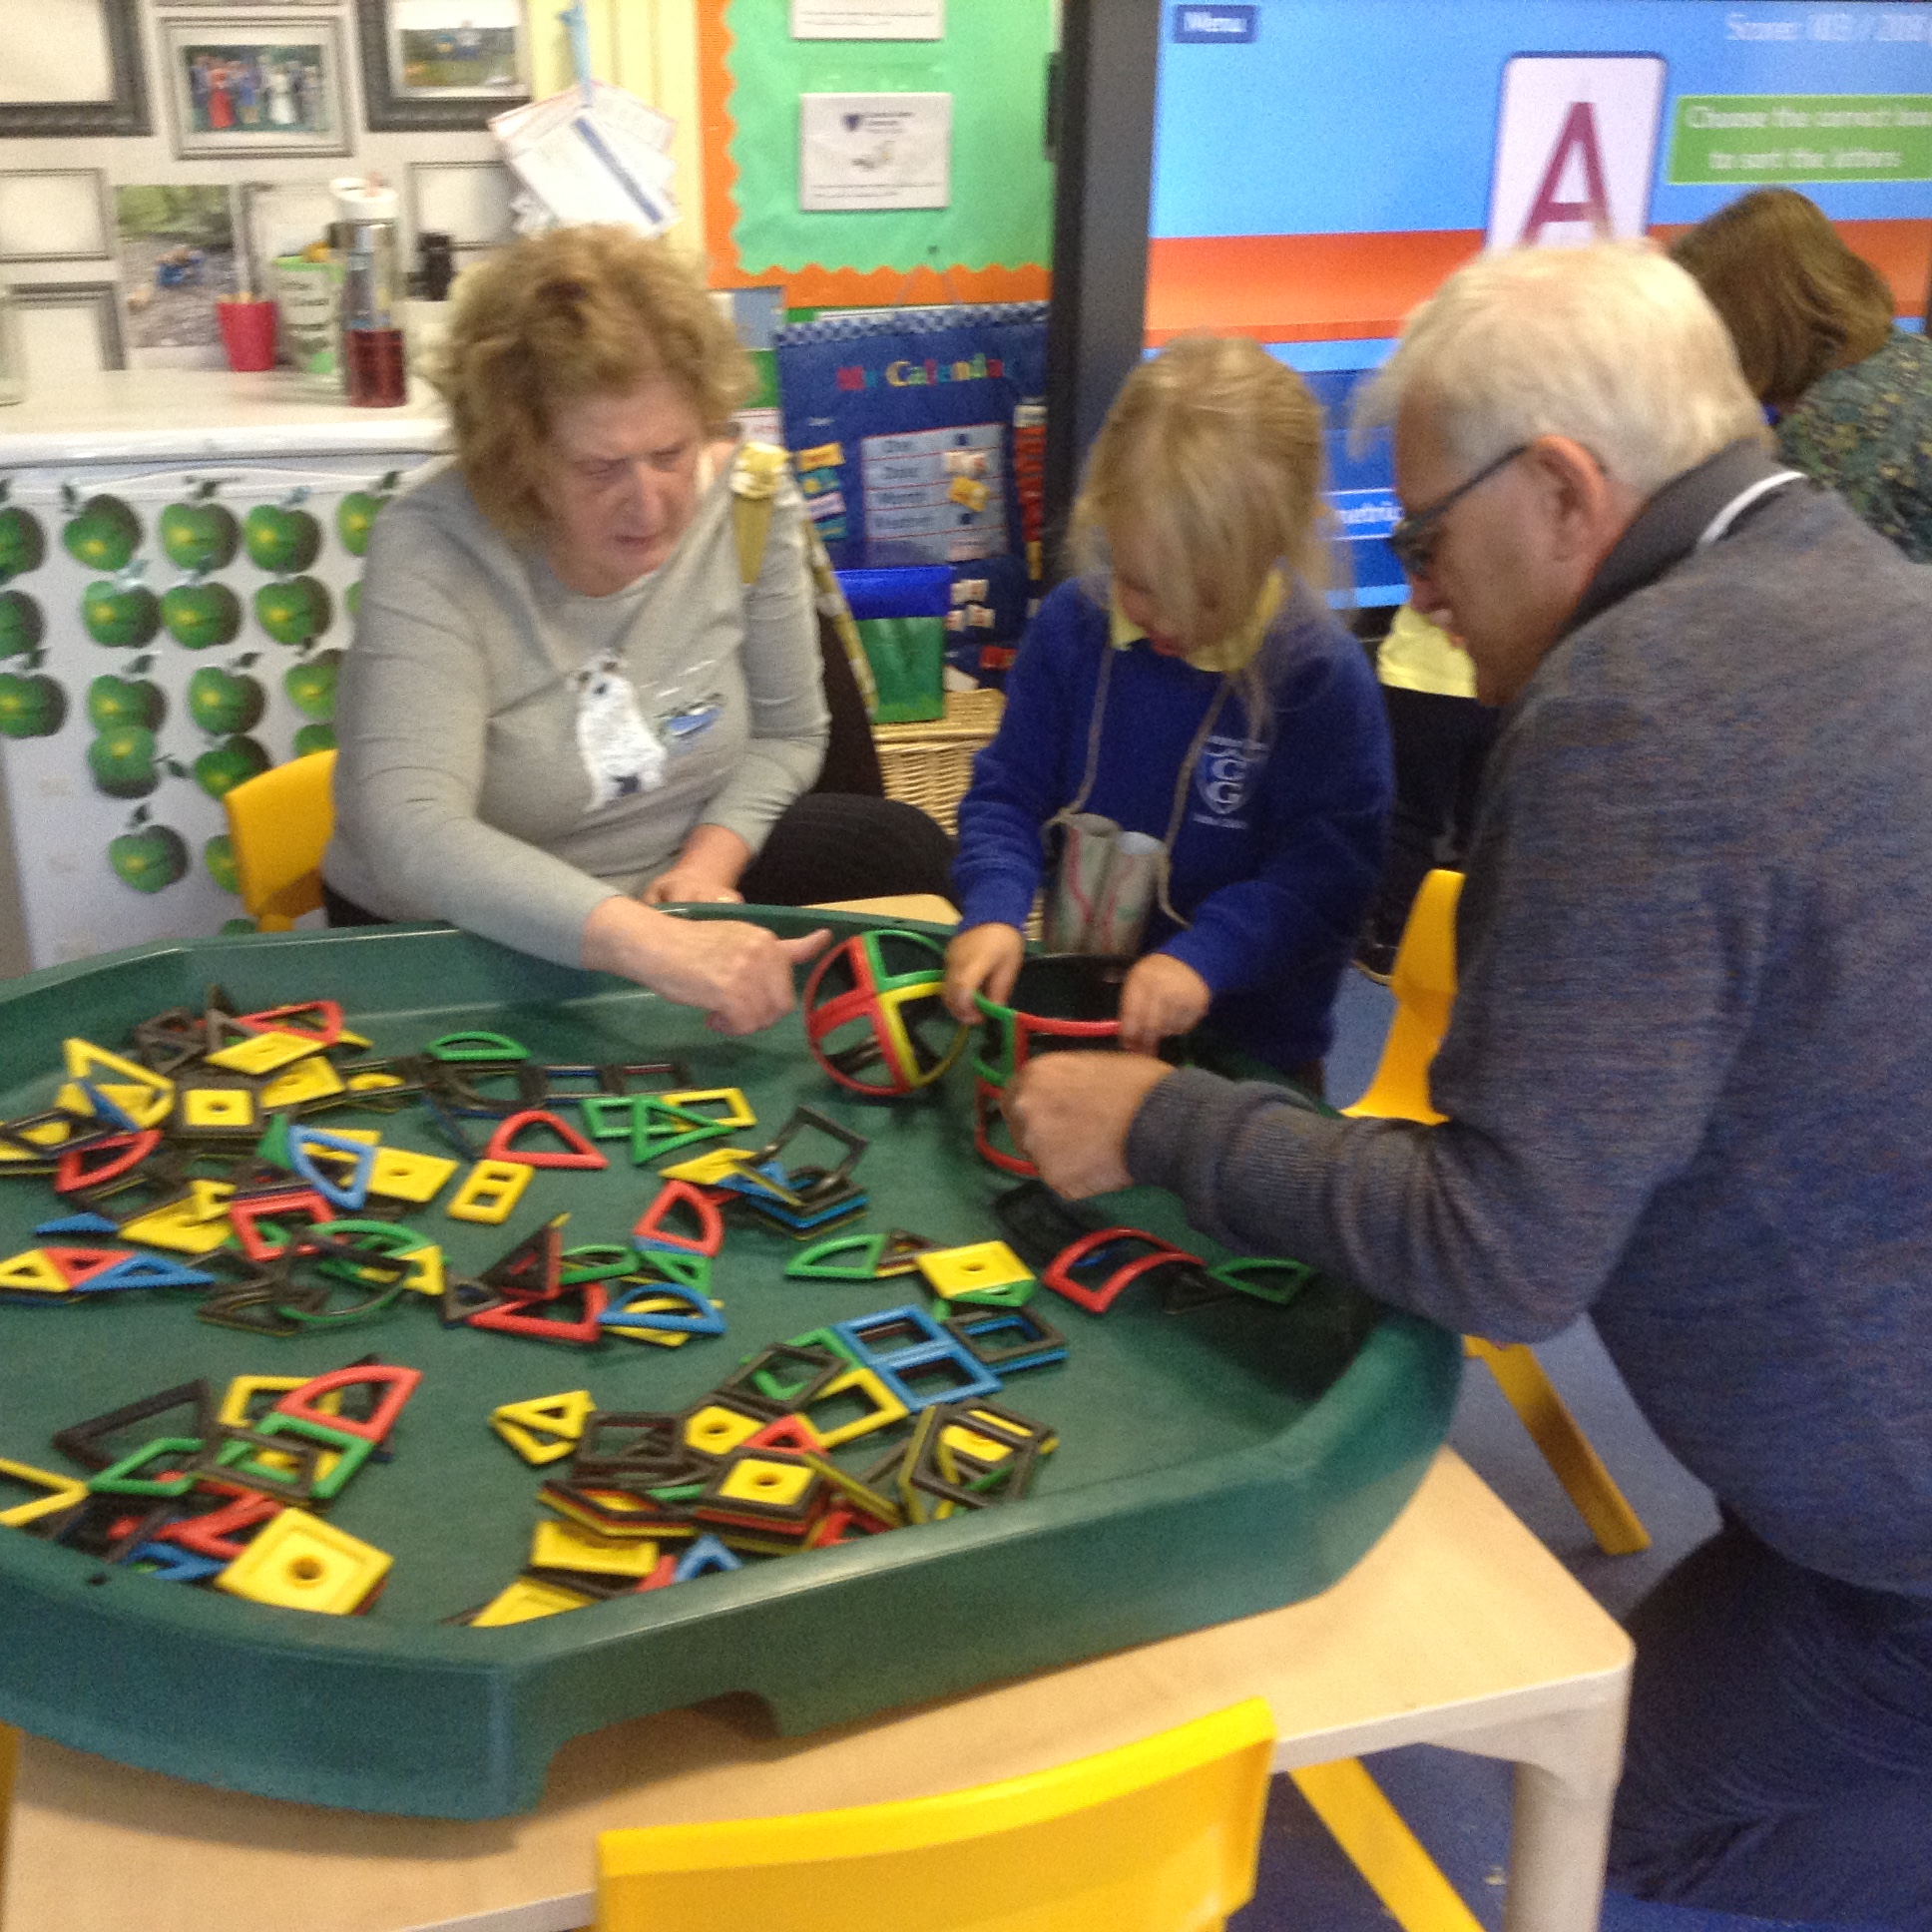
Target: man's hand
<point>1070,1112</point>
<point>738,974</point>
<point>982,959</point>
<point>1162,997</point>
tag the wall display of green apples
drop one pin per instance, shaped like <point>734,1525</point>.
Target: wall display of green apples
<point>165,633</point>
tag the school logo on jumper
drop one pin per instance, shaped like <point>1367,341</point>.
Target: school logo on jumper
<point>1223,779</point>
<point>1576,149</point>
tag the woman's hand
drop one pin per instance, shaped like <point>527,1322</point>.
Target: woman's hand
<point>1162,997</point>
<point>738,974</point>
<point>982,959</point>
<point>705,873</point>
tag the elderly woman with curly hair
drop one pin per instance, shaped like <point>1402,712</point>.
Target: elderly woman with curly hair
<point>572,700</point>
<point>1814,330</point>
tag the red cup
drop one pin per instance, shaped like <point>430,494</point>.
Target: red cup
<point>248,332</point>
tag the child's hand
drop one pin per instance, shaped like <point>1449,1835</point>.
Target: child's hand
<point>1162,997</point>
<point>982,959</point>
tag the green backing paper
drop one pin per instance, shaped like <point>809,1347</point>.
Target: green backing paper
<point>993,62</point>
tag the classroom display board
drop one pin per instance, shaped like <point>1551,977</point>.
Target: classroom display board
<point>1319,165</point>
<point>165,632</point>
<point>865,171</point>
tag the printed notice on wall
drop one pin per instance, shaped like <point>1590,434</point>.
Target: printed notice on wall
<point>868,19</point>
<point>874,150</point>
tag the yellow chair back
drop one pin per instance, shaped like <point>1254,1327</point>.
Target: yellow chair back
<point>1157,1836</point>
<point>279,821</point>
<point>1424,984</point>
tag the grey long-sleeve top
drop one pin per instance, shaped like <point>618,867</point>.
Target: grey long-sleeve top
<point>460,792</point>
<point>1689,1066</point>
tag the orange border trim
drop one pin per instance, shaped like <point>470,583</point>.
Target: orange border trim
<point>1322,288</point>
<point>815,287</point>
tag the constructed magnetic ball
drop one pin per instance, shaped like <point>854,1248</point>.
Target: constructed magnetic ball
<point>874,1019</point>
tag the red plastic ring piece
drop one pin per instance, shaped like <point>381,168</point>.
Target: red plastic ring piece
<point>1097,1301</point>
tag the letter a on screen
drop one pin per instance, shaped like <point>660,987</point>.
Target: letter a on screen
<point>1576,149</point>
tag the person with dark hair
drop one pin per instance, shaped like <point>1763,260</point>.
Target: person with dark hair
<point>587,681</point>
<point>1813,324</point>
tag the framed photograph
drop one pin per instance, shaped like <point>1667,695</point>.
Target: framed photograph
<point>442,64</point>
<point>55,214</point>
<point>252,84</point>
<point>71,328</point>
<point>78,71</point>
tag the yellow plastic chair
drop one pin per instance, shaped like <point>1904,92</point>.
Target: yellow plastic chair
<point>279,823</point>
<point>1157,1836</point>
<point>1424,984</point>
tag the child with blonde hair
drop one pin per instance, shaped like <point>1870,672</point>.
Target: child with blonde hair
<point>1191,687</point>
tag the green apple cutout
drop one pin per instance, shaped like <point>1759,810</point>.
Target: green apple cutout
<point>23,543</point>
<point>230,928</point>
<point>148,857</point>
<point>281,540</point>
<point>229,764</point>
<point>221,703</point>
<point>314,737</point>
<point>218,856</point>
<point>293,610</point>
<point>310,685</point>
<point>104,534</point>
<point>201,617</point>
<point>21,624</point>
<point>352,599</point>
<point>125,615</point>
<point>113,702</point>
<point>124,761</point>
<point>359,511</point>
<point>30,707</point>
<point>199,536</point>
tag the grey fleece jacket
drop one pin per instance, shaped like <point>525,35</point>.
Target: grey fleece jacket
<point>1688,1073</point>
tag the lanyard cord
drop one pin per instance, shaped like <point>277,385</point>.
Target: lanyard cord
<point>1183,782</point>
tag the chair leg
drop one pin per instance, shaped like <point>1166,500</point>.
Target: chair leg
<point>1619,1530</point>
<point>1382,1848</point>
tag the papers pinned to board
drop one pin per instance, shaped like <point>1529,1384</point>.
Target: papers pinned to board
<point>604,159</point>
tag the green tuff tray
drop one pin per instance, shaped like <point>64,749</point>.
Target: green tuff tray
<point>1212,1465</point>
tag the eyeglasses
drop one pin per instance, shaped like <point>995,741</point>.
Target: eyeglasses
<point>1415,538</point>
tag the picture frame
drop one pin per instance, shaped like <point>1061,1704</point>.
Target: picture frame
<point>124,110</point>
<point>55,214</point>
<point>469,200</point>
<point>94,302</point>
<point>254,83</point>
<point>441,66</point>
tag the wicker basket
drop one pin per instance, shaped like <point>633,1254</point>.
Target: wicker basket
<point>931,765</point>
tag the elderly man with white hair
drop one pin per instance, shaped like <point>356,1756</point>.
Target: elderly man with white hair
<point>1688,1075</point>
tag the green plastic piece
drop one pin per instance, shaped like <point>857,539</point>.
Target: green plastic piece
<point>691,1271</point>
<point>610,1117</point>
<point>273,1144</point>
<point>1255,1277</point>
<point>118,1478</point>
<point>597,1262</point>
<point>351,1450</point>
<point>475,1045</point>
<point>651,1139</point>
<point>825,1338</point>
<point>815,1265</point>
